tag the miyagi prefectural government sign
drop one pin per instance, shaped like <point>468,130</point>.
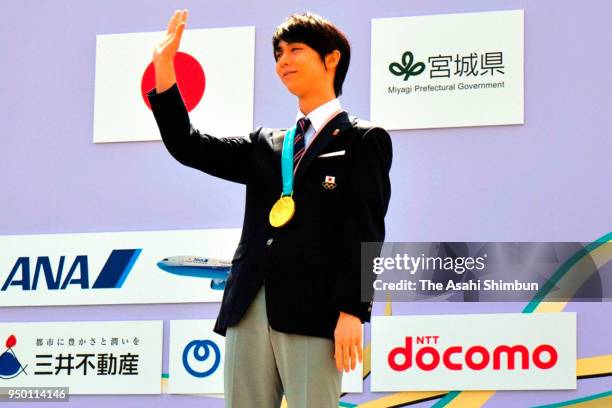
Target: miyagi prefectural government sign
<point>447,70</point>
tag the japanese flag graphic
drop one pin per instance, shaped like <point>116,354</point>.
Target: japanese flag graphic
<point>217,87</point>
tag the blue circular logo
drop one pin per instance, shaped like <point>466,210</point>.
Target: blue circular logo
<point>201,350</point>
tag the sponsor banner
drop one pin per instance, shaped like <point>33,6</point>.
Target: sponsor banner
<point>116,267</point>
<point>197,356</point>
<point>474,352</point>
<point>485,271</point>
<point>86,357</point>
<point>217,91</point>
<point>447,70</point>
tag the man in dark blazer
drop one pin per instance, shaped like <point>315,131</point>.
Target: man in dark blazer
<point>295,298</point>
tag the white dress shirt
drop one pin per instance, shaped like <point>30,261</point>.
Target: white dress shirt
<point>318,118</point>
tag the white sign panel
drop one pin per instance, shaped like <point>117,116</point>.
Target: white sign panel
<point>447,70</point>
<point>87,357</point>
<point>116,267</point>
<point>474,352</point>
<point>217,90</point>
<point>197,356</point>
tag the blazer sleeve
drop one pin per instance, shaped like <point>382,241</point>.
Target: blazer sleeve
<point>228,157</point>
<point>368,199</point>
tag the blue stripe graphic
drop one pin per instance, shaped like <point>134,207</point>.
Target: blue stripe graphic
<point>116,269</point>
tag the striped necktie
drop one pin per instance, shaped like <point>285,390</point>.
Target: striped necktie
<point>299,144</point>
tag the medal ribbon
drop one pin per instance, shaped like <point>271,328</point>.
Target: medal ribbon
<point>287,162</point>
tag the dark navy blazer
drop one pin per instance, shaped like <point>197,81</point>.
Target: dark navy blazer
<point>311,266</point>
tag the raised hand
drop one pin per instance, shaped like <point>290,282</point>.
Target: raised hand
<point>164,52</point>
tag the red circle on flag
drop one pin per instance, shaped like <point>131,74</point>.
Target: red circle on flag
<point>189,77</point>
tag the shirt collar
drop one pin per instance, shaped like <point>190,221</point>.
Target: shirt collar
<point>320,115</point>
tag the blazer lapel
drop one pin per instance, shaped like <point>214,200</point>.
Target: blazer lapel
<point>340,123</point>
<point>278,137</point>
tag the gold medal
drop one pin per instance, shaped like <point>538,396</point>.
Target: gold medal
<point>282,211</point>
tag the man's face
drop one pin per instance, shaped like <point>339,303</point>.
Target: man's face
<point>300,68</point>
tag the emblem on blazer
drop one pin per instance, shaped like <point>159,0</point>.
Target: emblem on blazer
<point>329,183</point>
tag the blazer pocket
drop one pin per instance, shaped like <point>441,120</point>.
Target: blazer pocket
<point>318,257</point>
<point>317,278</point>
<point>339,153</point>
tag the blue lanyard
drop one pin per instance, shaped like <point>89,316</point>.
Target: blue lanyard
<point>287,162</point>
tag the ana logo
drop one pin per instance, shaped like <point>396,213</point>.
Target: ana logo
<point>201,352</point>
<point>476,357</point>
<point>406,68</point>
<point>10,366</point>
<point>113,274</point>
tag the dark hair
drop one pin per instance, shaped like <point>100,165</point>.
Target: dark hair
<point>320,35</point>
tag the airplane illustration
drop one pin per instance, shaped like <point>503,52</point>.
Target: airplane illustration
<point>198,267</point>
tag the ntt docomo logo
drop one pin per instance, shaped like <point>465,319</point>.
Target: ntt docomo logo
<point>477,357</point>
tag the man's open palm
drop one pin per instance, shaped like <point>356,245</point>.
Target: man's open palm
<point>166,50</point>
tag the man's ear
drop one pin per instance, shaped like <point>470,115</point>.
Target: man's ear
<point>332,59</point>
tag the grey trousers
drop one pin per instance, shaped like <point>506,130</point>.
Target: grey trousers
<point>261,364</point>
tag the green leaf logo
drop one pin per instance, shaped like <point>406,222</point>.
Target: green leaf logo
<point>406,68</point>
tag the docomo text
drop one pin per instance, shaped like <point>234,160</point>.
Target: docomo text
<point>428,355</point>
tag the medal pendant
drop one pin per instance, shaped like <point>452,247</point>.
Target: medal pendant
<point>282,211</point>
